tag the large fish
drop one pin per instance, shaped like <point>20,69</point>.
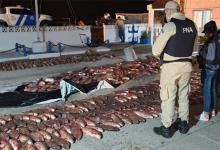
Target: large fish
<point>61,142</point>
<point>16,145</point>
<point>92,132</point>
<point>68,137</point>
<point>5,145</point>
<point>36,136</point>
<point>108,127</point>
<point>53,145</point>
<point>77,132</point>
<point>41,145</point>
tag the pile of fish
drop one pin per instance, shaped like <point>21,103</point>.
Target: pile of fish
<point>116,74</point>
<point>24,64</point>
<point>60,126</point>
<point>196,89</point>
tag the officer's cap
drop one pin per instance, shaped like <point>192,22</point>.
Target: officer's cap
<point>171,5</point>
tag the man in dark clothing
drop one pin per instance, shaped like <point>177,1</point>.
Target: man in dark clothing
<point>209,59</point>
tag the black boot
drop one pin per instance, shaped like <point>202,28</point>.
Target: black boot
<point>165,132</point>
<point>183,127</point>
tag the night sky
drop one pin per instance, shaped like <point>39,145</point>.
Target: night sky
<point>83,9</point>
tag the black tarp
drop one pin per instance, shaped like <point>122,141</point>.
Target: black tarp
<point>20,98</point>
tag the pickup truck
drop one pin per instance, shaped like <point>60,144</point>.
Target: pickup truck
<point>20,16</point>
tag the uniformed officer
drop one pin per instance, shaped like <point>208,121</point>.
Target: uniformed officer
<point>174,48</point>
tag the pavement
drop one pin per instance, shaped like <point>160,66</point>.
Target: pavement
<point>201,136</point>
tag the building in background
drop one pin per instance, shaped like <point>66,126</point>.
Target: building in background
<point>200,11</point>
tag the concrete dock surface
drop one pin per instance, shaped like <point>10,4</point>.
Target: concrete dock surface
<point>201,136</point>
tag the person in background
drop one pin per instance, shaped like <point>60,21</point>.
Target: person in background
<point>174,47</point>
<point>121,28</point>
<point>209,60</point>
<point>81,23</point>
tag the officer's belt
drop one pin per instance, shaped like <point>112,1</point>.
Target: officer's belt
<point>178,60</point>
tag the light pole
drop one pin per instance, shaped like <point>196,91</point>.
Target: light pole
<point>38,46</point>
<point>37,20</point>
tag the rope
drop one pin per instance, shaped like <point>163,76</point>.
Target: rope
<point>7,50</point>
<point>71,45</point>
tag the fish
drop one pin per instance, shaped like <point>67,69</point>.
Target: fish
<point>61,142</point>
<point>110,123</point>
<point>32,127</point>
<point>68,137</point>
<point>133,115</point>
<point>26,117</point>
<point>67,128</point>
<point>77,132</point>
<point>96,128</point>
<point>80,122</point>
<point>89,122</point>
<point>51,80</point>
<point>24,130</point>
<point>43,117</point>
<point>31,114</point>
<point>35,119</point>
<point>36,136</point>
<point>10,125</point>
<point>20,123</point>
<point>52,131</point>
<point>83,108</point>
<point>56,125</point>
<point>108,127</point>
<point>25,139</point>
<point>4,136</point>
<point>14,134</point>
<point>92,132</point>
<point>89,106</point>
<point>45,134</point>
<point>42,126</point>
<point>6,117</point>
<point>5,145</point>
<point>28,147</point>
<point>143,114</point>
<point>53,145</point>
<point>41,145</point>
<point>125,119</point>
<point>50,115</point>
<point>16,145</point>
<point>117,119</point>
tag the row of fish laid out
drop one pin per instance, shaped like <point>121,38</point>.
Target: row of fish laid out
<point>25,64</point>
<point>116,74</point>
